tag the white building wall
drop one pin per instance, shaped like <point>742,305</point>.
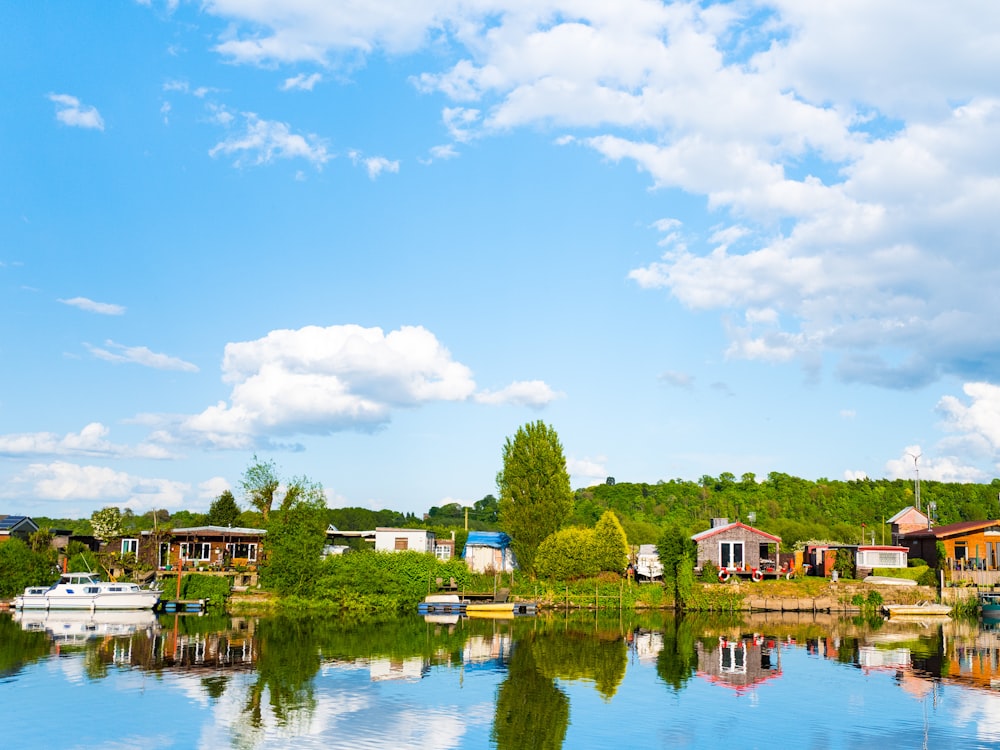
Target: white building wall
<point>387,540</point>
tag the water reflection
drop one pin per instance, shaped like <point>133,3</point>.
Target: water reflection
<point>543,682</point>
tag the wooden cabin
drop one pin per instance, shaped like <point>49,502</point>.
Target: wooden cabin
<point>736,546</point>
<point>969,547</point>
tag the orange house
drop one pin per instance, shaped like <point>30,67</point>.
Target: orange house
<point>968,545</point>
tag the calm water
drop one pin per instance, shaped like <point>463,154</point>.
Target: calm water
<point>650,681</point>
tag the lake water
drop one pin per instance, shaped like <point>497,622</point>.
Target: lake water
<point>552,681</point>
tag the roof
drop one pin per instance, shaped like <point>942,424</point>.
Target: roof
<point>908,510</point>
<point>11,523</point>
<point>729,527</point>
<point>950,529</point>
<point>219,531</point>
<point>497,539</point>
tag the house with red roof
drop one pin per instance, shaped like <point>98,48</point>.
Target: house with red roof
<point>736,546</point>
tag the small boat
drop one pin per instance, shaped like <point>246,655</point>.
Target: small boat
<point>989,604</point>
<point>920,609</point>
<point>87,591</point>
<point>441,604</point>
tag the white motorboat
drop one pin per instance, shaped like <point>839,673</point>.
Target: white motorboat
<point>87,591</point>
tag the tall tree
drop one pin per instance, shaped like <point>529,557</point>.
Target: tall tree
<point>224,511</point>
<point>535,496</point>
<point>107,523</point>
<point>610,543</point>
<point>296,533</point>
<point>259,483</point>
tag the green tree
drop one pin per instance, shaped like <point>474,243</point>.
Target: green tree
<point>677,553</point>
<point>107,523</point>
<point>610,544</point>
<point>296,533</point>
<point>535,495</point>
<point>20,567</point>
<point>259,483</point>
<point>224,511</point>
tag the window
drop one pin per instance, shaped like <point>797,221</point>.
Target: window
<point>961,551</point>
<point>442,551</point>
<point>401,543</point>
<point>242,551</point>
<point>730,555</point>
<point>130,546</point>
<point>196,550</point>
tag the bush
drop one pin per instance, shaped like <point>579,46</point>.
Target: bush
<point>709,572</point>
<point>567,554</point>
<point>215,589</point>
<point>915,562</point>
<point>610,544</point>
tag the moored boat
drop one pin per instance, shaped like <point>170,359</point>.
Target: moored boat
<point>989,604</point>
<point>87,591</point>
<point>920,609</point>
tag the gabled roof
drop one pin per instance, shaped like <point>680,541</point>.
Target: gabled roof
<point>12,523</point>
<point>730,527</point>
<point>908,510</point>
<point>951,529</point>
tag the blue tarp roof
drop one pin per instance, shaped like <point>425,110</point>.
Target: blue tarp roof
<point>497,539</point>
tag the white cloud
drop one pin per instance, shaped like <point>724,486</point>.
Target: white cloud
<point>302,82</point>
<point>322,380</point>
<point>375,165</point>
<point>70,111</point>
<point>65,481</point>
<point>101,308</point>
<point>851,167</point>
<point>210,489</point>
<point>587,471</point>
<point>979,419</point>
<point>263,141</point>
<point>90,441</point>
<point>932,467</point>
<point>140,355</point>
<point>531,393</point>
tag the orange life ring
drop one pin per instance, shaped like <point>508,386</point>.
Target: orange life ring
<point>757,576</point>
<point>723,575</point>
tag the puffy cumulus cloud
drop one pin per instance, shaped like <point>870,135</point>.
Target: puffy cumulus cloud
<point>210,489</point>
<point>849,154</point>
<point>90,441</point>
<point>70,111</point>
<point>263,141</point>
<point>63,481</point>
<point>531,393</point>
<point>374,165</point>
<point>101,308</point>
<point>976,422</point>
<point>140,355</point>
<point>318,380</point>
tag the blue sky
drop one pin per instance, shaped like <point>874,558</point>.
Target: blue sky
<point>369,241</point>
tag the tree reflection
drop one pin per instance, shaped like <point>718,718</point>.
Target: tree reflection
<point>583,656</point>
<point>531,712</point>
<point>18,647</point>
<point>677,660</point>
<point>287,663</point>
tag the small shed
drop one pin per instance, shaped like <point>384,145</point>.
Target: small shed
<point>736,546</point>
<point>489,552</point>
<point>389,539</point>
<point>968,545</point>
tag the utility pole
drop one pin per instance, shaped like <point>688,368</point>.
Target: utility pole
<point>916,493</point>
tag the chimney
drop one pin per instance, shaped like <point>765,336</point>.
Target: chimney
<point>717,522</point>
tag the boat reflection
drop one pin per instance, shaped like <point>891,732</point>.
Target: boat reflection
<point>79,626</point>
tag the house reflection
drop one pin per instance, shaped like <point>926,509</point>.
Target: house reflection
<point>739,663</point>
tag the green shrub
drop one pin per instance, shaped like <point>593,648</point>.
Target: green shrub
<point>610,544</point>
<point>567,554</point>
<point>215,589</point>
<point>916,562</point>
<point>709,572</point>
